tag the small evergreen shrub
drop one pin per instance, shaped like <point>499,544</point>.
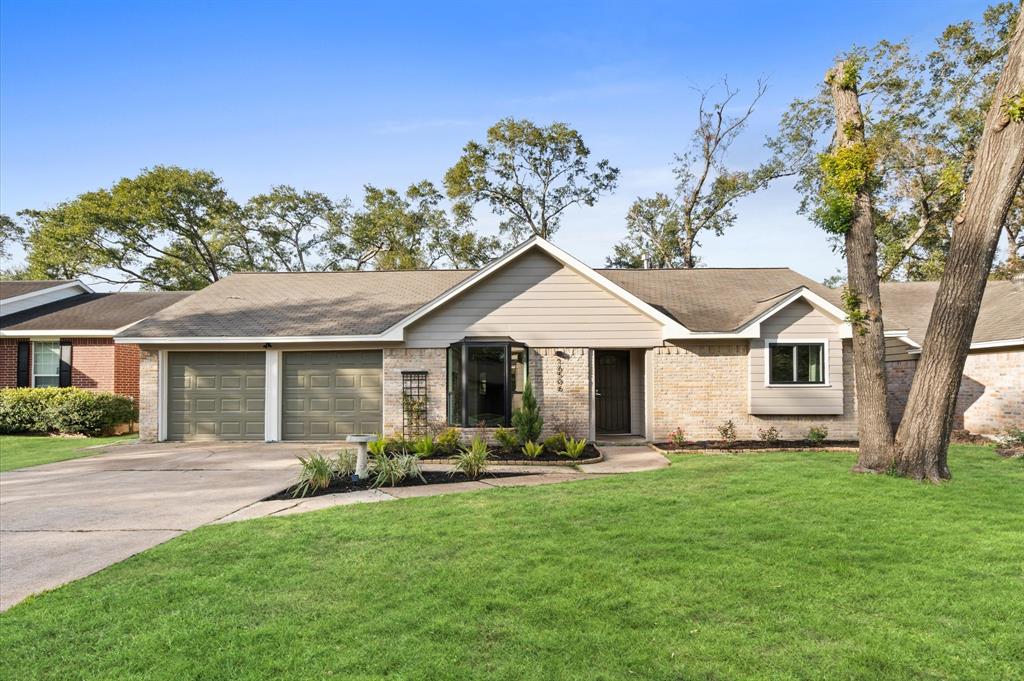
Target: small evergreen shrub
<point>555,443</point>
<point>678,438</point>
<point>345,463</point>
<point>63,410</point>
<point>526,420</point>
<point>424,447</point>
<point>378,447</point>
<point>472,460</point>
<point>531,449</point>
<point>817,435</point>
<point>727,431</point>
<point>448,440</point>
<point>393,470</point>
<point>769,436</point>
<point>316,473</point>
<point>507,438</point>
<point>574,448</point>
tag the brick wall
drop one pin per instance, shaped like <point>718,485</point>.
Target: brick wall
<point>126,370</point>
<point>698,386</point>
<point>92,363</point>
<point>96,364</point>
<point>561,384</point>
<point>8,363</point>
<point>991,397</point>
<point>149,393</point>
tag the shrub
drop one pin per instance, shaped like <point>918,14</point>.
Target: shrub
<point>424,447</point>
<point>378,447</point>
<point>574,448</point>
<point>678,438</point>
<point>345,463</point>
<point>317,473</point>
<point>448,440</point>
<point>1011,437</point>
<point>472,460</point>
<point>555,443</point>
<point>769,436</point>
<point>393,470</point>
<point>526,420</point>
<point>532,449</point>
<point>727,431</point>
<point>396,444</point>
<point>506,437</point>
<point>817,434</point>
<point>62,410</point>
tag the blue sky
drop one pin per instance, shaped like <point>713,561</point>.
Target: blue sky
<point>329,96</point>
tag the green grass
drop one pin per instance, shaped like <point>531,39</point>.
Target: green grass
<point>781,566</point>
<point>19,451</point>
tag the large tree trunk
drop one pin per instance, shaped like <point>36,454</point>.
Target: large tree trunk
<point>874,429</point>
<point>923,436</point>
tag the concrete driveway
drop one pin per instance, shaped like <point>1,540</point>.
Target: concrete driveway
<point>63,521</point>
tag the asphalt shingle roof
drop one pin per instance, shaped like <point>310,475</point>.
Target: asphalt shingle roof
<point>908,305</point>
<point>92,311</point>
<point>13,289</point>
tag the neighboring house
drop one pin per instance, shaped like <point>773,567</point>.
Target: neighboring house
<point>60,333</point>
<point>317,356</point>
<point>991,397</point>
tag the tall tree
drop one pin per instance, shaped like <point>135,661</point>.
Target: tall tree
<point>652,235</point>
<point>998,169</point>
<point>529,175</point>
<point>292,228</point>
<point>706,190</point>
<point>848,179</point>
<point>168,228</point>
<point>12,233</point>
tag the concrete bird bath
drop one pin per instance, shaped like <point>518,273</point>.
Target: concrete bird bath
<point>361,442</point>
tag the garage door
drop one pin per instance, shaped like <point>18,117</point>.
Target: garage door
<point>328,395</point>
<point>215,395</point>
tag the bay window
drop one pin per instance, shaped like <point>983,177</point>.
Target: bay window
<point>486,378</point>
<point>796,363</point>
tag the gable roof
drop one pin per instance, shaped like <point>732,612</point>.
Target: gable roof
<point>14,289</point>
<point>96,314</point>
<point>378,305</point>
<point>908,305</point>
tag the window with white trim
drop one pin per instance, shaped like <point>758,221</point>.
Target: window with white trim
<point>46,364</point>
<point>796,363</point>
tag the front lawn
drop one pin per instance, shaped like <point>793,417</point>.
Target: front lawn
<point>19,451</point>
<point>755,566</point>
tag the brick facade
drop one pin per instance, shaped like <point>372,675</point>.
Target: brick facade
<point>699,386</point>
<point>991,397</point>
<point>96,364</point>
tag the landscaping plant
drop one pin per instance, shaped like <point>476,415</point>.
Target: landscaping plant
<point>574,448</point>
<point>526,420</point>
<point>531,449</point>
<point>71,411</point>
<point>769,436</point>
<point>448,440</point>
<point>378,447</point>
<point>345,463</point>
<point>393,470</point>
<point>678,438</point>
<point>555,443</point>
<point>472,460</point>
<point>817,435</point>
<point>507,438</point>
<point>424,447</point>
<point>316,473</point>
<point>727,431</point>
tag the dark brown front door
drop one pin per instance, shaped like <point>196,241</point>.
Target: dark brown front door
<point>611,386</point>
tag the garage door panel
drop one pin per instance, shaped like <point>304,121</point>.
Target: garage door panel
<point>216,395</point>
<point>331,394</point>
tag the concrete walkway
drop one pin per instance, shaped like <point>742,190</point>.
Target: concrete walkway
<point>62,521</point>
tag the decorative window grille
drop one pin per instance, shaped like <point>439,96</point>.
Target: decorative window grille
<point>414,403</point>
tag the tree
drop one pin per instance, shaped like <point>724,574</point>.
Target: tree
<point>706,191</point>
<point>529,175</point>
<point>409,230</point>
<point>846,209</point>
<point>998,169</point>
<point>292,228</point>
<point>652,235</point>
<point>12,233</point>
<point>167,228</point>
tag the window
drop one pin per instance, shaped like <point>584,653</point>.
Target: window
<point>485,382</point>
<point>46,364</point>
<point>797,363</point>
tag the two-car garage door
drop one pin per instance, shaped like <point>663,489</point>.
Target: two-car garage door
<point>326,395</point>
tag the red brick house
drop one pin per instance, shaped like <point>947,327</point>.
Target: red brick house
<point>60,333</point>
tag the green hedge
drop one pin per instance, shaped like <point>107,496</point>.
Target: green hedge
<point>62,410</point>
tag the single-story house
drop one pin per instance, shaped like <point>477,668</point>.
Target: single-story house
<point>991,398</point>
<point>61,333</point>
<point>318,356</point>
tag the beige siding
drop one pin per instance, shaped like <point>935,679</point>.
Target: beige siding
<point>537,301</point>
<point>798,321</point>
<point>896,350</point>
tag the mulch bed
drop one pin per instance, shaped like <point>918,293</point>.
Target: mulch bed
<point>1011,452</point>
<point>431,477</point>
<point>755,445</point>
<point>965,437</point>
<point>509,456</point>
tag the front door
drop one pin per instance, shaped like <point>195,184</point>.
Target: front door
<point>611,391</point>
